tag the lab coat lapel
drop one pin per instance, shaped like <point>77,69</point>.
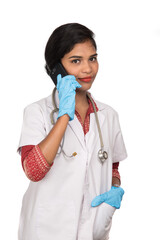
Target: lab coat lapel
<point>92,137</point>
<point>76,127</point>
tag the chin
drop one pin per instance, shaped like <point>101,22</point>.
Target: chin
<point>84,88</point>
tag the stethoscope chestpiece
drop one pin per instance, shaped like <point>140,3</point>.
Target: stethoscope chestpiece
<point>103,155</point>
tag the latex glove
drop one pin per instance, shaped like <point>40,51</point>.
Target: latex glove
<point>113,197</point>
<point>66,87</point>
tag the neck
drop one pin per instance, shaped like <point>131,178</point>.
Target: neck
<point>81,99</point>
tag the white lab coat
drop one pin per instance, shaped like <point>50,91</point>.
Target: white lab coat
<point>59,206</point>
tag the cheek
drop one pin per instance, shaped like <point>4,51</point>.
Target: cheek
<point>96,67</point>
<point>72,70</point>
<point>68,67</point>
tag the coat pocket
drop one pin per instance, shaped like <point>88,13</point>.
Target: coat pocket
<point>56,221</point>
<point>103,220</point>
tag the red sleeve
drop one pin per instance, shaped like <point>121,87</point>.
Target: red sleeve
<point>34,163</point>
<point>25,151</point>
<point>31,163</point>
<point>116,165</point>
<point>115,172</point>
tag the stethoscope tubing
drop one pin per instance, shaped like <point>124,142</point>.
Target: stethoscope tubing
<point>101,154</point>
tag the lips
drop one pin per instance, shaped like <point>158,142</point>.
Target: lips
<point>86,79</point>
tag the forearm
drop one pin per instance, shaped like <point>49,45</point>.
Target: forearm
<point>49,146</point>
<point>116,181</point>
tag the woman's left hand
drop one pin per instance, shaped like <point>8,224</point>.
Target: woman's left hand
<point>113,197</point>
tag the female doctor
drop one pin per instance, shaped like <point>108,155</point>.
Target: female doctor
<point>73,191</point>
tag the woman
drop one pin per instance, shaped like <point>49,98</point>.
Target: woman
<point>66,174</point>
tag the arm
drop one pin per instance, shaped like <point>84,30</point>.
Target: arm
<point>38,159</point>
<point>33,127</point>
<point>114,196</point>
<point>116,179</point>
<point>34,164</point>
<point>66,87</point>
<point>49,146</point>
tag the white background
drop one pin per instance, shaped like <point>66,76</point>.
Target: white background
<point>128,39</point>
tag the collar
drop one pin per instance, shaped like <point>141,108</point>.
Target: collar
<point>99,106</point>
<point>90,108</point>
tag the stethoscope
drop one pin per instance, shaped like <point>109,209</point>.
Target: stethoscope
<point>103,155</point>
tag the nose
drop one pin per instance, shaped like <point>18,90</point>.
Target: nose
<point>86,68</point>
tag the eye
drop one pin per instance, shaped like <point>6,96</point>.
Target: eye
<point>93,59</point>
<point>76,61</point>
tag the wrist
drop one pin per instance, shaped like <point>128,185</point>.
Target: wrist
<point>63,115</point>
<point>116,181</point>
<point>116,185</point>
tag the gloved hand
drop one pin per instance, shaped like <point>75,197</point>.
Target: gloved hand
<point>113,197</point>
<point>66,87</point>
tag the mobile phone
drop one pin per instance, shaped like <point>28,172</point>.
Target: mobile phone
<point>58,69</point>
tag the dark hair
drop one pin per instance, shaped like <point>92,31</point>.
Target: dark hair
<point>62,41</point>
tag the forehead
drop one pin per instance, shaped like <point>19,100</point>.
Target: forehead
<point>82,49</point>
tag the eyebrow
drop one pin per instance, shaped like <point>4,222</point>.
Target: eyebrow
<point>94,55</point>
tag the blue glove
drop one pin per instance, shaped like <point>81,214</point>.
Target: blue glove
<point>66,87</point>
<point>113,197</point>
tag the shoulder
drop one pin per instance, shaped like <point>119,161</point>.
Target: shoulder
<point>39,105</point>
<point>105,108</point>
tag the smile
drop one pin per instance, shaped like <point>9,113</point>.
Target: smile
<point>86,79</point>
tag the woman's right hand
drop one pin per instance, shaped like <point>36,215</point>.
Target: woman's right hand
<point>66,87</point>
